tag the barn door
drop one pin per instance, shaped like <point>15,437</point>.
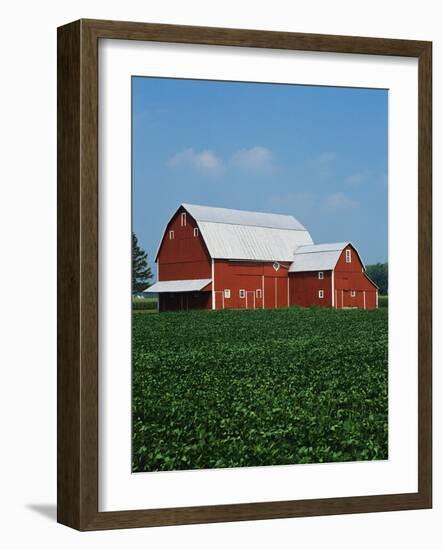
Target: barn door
<point>250,299</point>
<point>219,299</point>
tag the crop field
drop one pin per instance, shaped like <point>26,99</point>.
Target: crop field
<point>217,389</point>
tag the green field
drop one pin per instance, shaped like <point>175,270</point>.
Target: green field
<point>144,304</point>
<point>251,388</point>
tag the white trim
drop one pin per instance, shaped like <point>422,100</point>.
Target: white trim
<point>321,275</point>
<point>348,254</point>
<point>364,299</point>
<point>240,291</point>
<point>376,299</point>
<point>353,293</point>
<point>213,284</point>
<point>171,234</point>
<point>223,298</point>
<point>158,275</point>
<point>321,294</point>
<point>227,293</point>
<point>288,291</point>
<point>183,219</point>
<point>341,298</point>
<point>333,289</point>
<point>196,232</point>
<point>260,291</point>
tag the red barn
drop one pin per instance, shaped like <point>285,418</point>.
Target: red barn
<point>217,258</point>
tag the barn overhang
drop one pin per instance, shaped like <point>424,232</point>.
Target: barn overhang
<point>184,285</point>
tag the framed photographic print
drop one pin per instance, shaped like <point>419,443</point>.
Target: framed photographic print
<point>244,275</point>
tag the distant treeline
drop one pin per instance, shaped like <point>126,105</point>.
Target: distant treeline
<point>379,274</point>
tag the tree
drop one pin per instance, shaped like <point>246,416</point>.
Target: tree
<point>141,272</point>
<point>379,274</point>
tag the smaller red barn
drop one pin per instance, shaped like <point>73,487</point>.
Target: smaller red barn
<point>331,275</point>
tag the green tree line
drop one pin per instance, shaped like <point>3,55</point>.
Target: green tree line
<point>379,274</point>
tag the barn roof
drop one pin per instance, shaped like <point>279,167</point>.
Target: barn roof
<point>184,285</point>
<point>244,235</point>
<point>242,217</point>
<point>317,257</point>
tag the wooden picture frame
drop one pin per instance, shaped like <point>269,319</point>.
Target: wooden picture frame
<point>78,274</point>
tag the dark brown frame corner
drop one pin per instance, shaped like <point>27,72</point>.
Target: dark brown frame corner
<point>77,454</point>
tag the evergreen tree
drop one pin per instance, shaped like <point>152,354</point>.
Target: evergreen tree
<point>141,272</point>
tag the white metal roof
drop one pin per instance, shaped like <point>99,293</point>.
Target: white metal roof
<point>242,217</point>
<point>243,235</point>
<point>186,285</point>
<point>317,257</point>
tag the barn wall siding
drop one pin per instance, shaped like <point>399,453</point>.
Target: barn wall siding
<point>350,277</point>
<point>272,285</point>
<point>185,256</point>
<point>304,288</point>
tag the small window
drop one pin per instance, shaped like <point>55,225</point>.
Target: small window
<point>276,266</point>
<point>258,293</point>
<point>348,255</point>
<point>171,235</point>
<point>227,292</point>
<point>183,219</point>
<point>321,275</point>
<point>321,294</point>
<point>195,231</point>
<point>353,293</point>
<point>242,293</point>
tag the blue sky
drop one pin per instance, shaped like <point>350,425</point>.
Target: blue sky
<point>317,153</point>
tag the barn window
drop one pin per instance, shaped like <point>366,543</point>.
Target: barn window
<point>321,293</point>
<point>353,293</point>
<point>348,255</point>
<point>227,292</point>
<point>258,293</point>
<point>183,219</point>
<point>195,231</point>
<point>276,266</point>
<point>242,293</point>
<point>321,275</point>
<point>171,235</point>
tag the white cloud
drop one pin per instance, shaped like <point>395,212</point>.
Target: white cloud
<point>205,161</point>
<point>338,201</point>
<point>256,159</point>
<point>322,165</point>
<point>329,156</point>
<point>357,178</point>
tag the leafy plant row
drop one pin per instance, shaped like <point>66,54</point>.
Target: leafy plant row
<point>252,388</point>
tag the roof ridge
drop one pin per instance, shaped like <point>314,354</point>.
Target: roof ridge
<point>185,204</point>
<point>255,225</point>
<point>340,246</point>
